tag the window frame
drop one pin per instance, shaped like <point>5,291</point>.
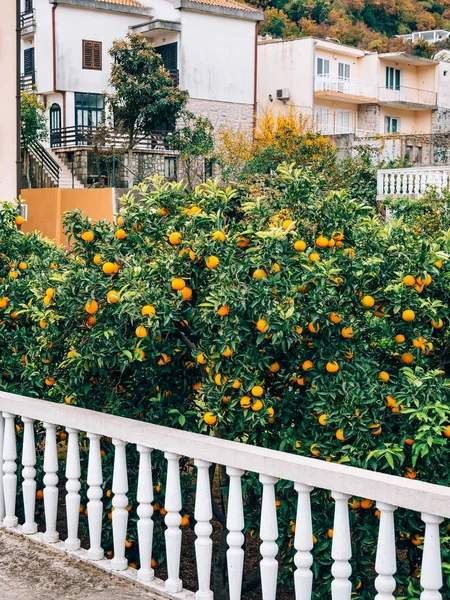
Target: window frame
<point>92,66</point>
<point>323,61</point>
<point>393,78</point>
<point>388,123</point>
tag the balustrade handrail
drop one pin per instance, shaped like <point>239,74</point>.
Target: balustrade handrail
<point>415,495</point>
<point>415,169</point>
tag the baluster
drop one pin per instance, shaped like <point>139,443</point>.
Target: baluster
<point>95,493</point>
<point>29,476</point>
<point>73,473</point>
<point>51,482</point>
<point>269,535</point>
<point>404,184</point>
<point>203,530</point>
<point>145,512</point>
<point>416,183</point>
<point>9,470</point>
<point>409,184</point>
<point>341,549</point>
<point>172,534</point>
<point>423,183</point>
<point>120,502</point>
<point>386,560</point>
<point>398,182</point>
<point>2,434</point>
<point>303,543</point>
<point>431,575</point>
<point>392,183</point>
<point>386,184</point>
<point>235,537</point>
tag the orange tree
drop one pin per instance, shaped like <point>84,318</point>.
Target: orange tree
<point>296,320</point>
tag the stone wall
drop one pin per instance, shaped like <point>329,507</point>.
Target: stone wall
<point>369,117</point>
<point>440,120</point>
<point>228,114</point>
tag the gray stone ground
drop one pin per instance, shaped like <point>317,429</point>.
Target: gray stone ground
<point>29,571</point>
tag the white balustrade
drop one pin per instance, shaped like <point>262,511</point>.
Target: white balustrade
<point>269,535</point>
<point>341,549</point>
<point>431,574</point>
<point>303,544</point>
<point>120,503</point>
<point>73,473</point>
<point>2,435</point>
<point>432,501</point>
<point>173,520</point>
<point>386,562</point>
<point>235,537</point>
<point>411,181</point>
<point>29,476</point>
<point>51,484</point>
<point>95,493</point>
<point>203,530</point>
<point>145,512</point>
<point>9,470</point>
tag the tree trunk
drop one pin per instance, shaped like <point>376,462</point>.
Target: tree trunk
<point>27,167</point>
<point>130,176</point>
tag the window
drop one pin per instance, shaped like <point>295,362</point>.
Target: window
<point>445,73</point>
<point>323,67</point>
<point>88,111</point>
<point>169,55</point>
<point>28,6</point>
<point>391,125</point>
<point>28,61</point>
<point>344,70</point>
<point>323,119</point>
<point>342,121</point>
<point>392,78</point>
<point>170,167</point>
<point>92,55</point>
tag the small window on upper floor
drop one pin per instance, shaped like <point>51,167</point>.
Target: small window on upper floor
<point>445,73</point>
<point>92,55</point>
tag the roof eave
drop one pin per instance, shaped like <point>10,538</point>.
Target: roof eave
<point>108,6</point>
<point>252,15</point>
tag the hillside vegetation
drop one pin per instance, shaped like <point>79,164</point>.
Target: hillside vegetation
<point>369,24</point>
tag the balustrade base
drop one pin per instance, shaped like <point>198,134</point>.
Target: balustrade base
<point>156,586</point>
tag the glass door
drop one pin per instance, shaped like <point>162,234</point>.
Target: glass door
<point>344,78</point>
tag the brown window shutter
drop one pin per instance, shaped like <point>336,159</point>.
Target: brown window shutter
<point>92,55</point>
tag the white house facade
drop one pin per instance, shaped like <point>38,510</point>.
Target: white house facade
<point>209,47</point>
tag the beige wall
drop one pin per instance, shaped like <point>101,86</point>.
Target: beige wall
<point>8,184</point>
<point>410,121</point>
<point>46,207</point>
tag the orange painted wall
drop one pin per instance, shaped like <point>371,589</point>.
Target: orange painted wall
<point>46,207</point>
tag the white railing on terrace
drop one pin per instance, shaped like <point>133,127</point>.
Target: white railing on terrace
<point>329,83</point>
<point>389,492</point>
<point>407,95</point>
<point>411,181</point>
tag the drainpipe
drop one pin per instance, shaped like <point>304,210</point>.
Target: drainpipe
<point>18,120</point>
<point>255,79</point>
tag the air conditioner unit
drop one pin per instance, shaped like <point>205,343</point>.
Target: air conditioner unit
<point>283,94</point>
<point>24,212</point>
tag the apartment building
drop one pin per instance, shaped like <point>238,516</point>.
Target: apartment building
<point>345,90</point>
<point>209,47</point>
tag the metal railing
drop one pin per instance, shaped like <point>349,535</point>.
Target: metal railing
<point>28,20</point>
<point>411,181</point>
<point>407,95</point>
<point>340,85</point>
<point>120,436</point>
<point>175,74</point>
<point>46,161</point>
<point>81,135</point>
<point>27,81</point>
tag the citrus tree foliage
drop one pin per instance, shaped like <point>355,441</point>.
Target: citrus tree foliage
<point>297,320</point>
<point>145,98</point>
<point>32,119</point>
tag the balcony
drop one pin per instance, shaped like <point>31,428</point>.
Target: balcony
<point>403,96</point>
<point>181,454</point>
<point>81,135</point>
<point>27,24</point>
<point>413,182</point>
<point>27,81</point>
<point>349,90</point>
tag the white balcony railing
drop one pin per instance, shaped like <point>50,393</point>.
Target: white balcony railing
<point>411,181</point>
<point>340,85</point>
<point>407,95</point>
<point>389,492</point>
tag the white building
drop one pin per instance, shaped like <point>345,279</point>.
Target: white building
<point>209,46</point>
<point>432,37</point>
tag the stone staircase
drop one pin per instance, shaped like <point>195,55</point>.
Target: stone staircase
<point>57,173</point>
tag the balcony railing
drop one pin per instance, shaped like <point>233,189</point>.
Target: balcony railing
<point>81,135</point>
<point>27,81</point>
<point>407,95</point>
<point>27,23</point>
<point>340,85</point>
<point>412,181</point>
<point>276,470</point>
